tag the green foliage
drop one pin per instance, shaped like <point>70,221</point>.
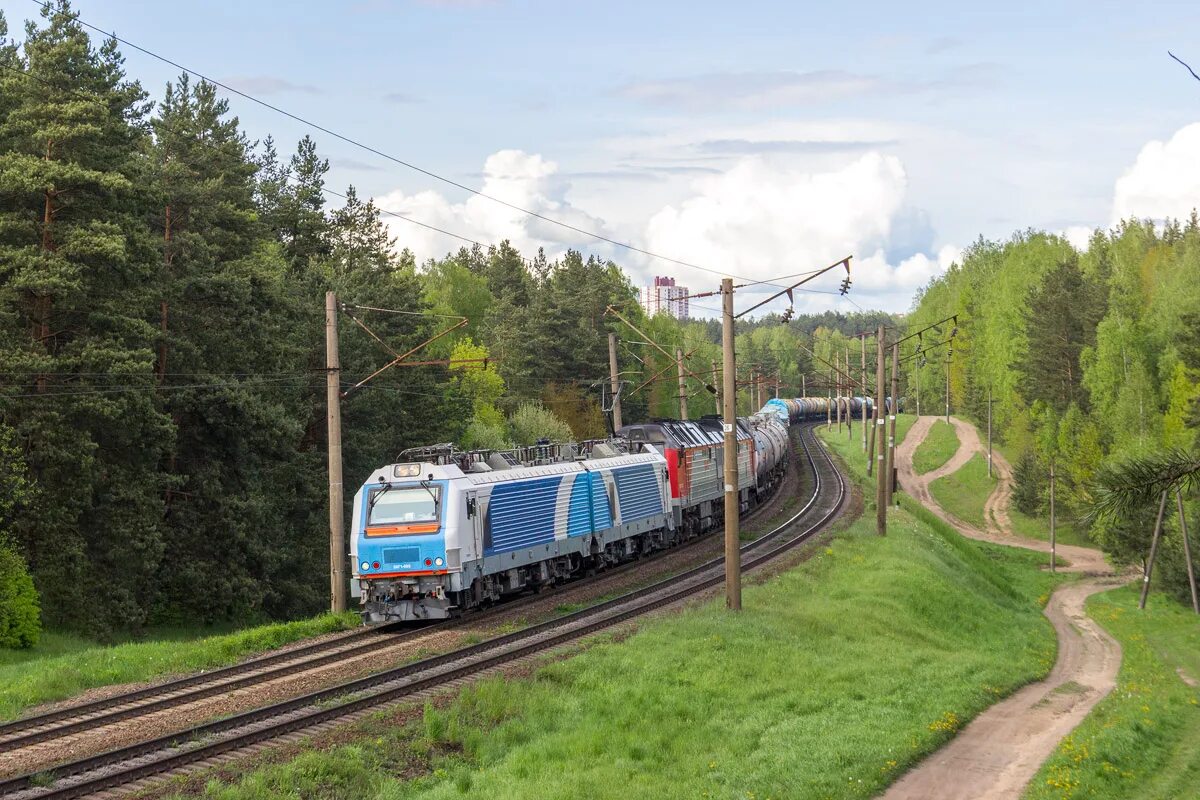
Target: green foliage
<point>1093,359</point>
<point>532,422</point>
<point>939,446</point>
<point>1028,482</point>
<point>20,615</point>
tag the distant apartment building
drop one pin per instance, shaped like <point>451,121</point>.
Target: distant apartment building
<point>664,295</point>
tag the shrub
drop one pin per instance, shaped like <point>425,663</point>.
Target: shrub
<point>531,422</point>
<point>20,615</point>
<point>1027,484</point>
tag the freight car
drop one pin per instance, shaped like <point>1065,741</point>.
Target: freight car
<point>443,530</point>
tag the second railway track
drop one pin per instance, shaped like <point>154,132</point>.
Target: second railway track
<point>348,700</point>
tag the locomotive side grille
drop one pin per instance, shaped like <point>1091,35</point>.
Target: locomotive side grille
<point>637,492</point>
<point>522,514</point>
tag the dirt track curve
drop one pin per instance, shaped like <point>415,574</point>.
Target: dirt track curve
<point>998,753</point>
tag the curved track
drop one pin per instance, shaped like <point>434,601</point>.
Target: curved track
<point>70,719</point>
<point>351,699</point>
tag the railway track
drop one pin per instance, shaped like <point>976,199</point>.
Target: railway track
<point>351,699</point>
<point>78,717</point>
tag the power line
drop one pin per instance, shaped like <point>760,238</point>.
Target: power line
<point>395,159</point>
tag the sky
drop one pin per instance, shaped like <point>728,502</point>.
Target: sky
<point>754,139</point>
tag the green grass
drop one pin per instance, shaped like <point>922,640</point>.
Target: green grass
<point>837,675</point>
<point>940,445</point>
<point>964,493</point>
<point>1143,740</point>
<point>1066,531</point>
<point>62,665</point>
<point>852,452</point>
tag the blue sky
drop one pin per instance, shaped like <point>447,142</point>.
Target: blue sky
<point>755,137</point>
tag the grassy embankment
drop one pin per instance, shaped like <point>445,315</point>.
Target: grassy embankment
<point>1143,740</point>
<point>62,665</point>
<point>940,445</point>
<point>837,675</point>
<point>965,492</point>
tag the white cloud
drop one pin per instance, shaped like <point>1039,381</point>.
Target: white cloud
<point>521,179</point>
<point>1164,181</point>
<point>759,218</point>
<point>763,218</point>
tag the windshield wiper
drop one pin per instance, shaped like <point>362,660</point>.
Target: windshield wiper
<point>387,487</point>
<point>425,485</point>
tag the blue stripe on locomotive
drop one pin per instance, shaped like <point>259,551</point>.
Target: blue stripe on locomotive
<point>602,517</point>
<point>521,514</point>
<point>579,512</point>
<point>638,492</point>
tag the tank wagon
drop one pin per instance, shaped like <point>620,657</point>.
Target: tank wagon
<point>444,530</point>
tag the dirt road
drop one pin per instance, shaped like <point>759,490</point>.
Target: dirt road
<point>998,753</point>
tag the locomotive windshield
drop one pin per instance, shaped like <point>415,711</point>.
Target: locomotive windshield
<point>395,505</point>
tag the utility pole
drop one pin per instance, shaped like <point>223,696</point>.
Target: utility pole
<point>891,452</point>
<point>1162,505</point>
<point>829,405</point>
<point>947,391</point>
<point>733,564</point>
<point>917,369</point>
<point>682,384</point>
<point>1053,540</point>
<point>804,386</point>
<point>614,382</point>
<point>717,396</point>
<point>989,431</point>
<point>836,377</point>
<point>776,385</point>
<point>333,402</point>
<point>881,456</point>
<point>1187,551</point>
<point>849,395</point>
<point>862,366</point>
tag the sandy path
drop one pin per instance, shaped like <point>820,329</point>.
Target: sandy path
<point>998,753</point>
<point>999,527</point>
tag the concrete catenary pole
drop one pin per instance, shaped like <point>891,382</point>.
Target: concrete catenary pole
<point>1162,506</point>
<point>804,386</point>
<point>862,366</point>
<point>837,388</point>
<point>1187,551</point>
<point>333,402</point>
<point>733,564</point>
<point>947,391</point>
<point>989,431</point>
<point>880,440</point>
<point>917,370</point>
<point>1053,531</point>
<point>849,395</point>
<point>891,451</point>
<point>682,384</point>
<point>614,382</point>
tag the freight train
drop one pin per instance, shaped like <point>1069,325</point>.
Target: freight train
<point>445,530</point>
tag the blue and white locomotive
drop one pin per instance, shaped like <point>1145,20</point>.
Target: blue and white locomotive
<point>445,530</point>
<point>452,530</point>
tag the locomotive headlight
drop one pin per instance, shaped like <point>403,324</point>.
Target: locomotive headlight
<point>438,561</point>
<point>366,565</point>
